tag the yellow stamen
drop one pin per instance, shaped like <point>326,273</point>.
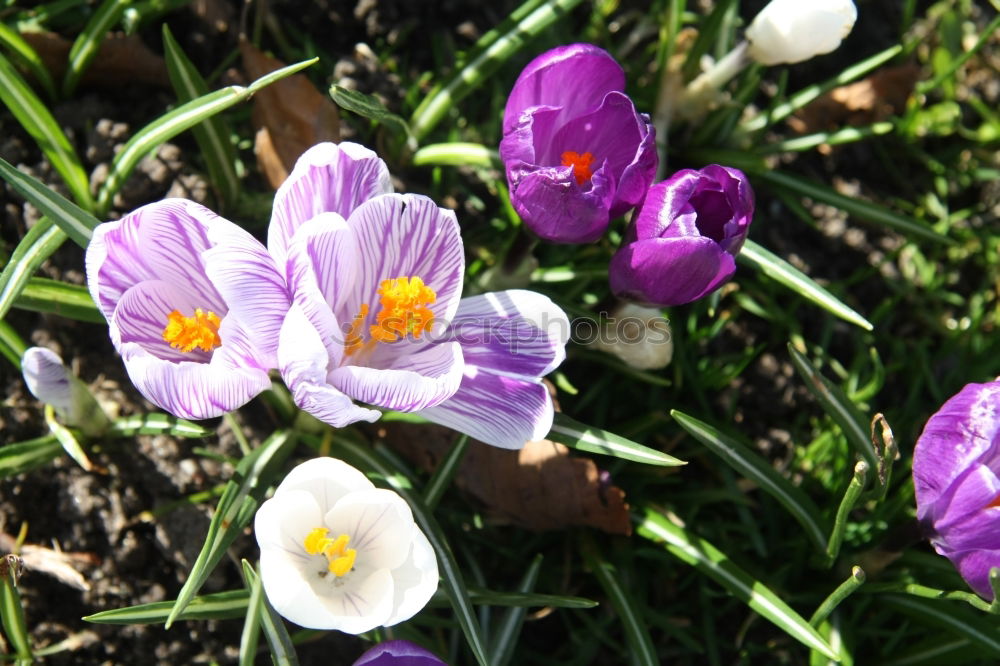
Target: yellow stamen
<point>187,333</point>
<point>404,302</point>
<point>341,565</point>
<point>580,163</point>
<point>316,540</point>
<point>340,558</point>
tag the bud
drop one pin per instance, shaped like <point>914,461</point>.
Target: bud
<point>790,31</point>
<point>639,336</point>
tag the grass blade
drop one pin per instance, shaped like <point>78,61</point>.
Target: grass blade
<point>753,467</point>
<point>252,621</point>
<point>43,128</point>
<point>709,560</point>
<point>482,597</point>
<point>953,618</point>
<point>27,56</point>
<point>88,42</point>
<point>216,606</point>
<point>787,275</point>
<point>37,245</point>
<point>236,508</point>
<point>282,650</point>
<point>11,611</point>
<point>11,344</point>
<point>68,441</point>
<point>157,424</point>
<point>451,575</point>
<point>24,456</point>
<point>445,472</point>
<point>72,301</point>
<point>76,222</point>
<point>504,638</point>
<point>173,123</point>
<point>582,437</point>
<point>212,134</point>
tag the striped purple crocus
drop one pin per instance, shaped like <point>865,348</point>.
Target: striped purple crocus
<point>398,653</point>
<point>956,476</point>
<point>194,305</point>
<point>377,314</point>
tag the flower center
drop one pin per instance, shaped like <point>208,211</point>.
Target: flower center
<point>187,333</point>
<point>404,302</point>
<point>340,558</point>
<point>580,163</point>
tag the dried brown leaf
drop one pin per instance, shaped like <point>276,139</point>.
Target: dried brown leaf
<point>56,563</point>
<point>292,112</point>
<point>120,58</point>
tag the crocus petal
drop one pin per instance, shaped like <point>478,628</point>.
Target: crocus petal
<point>328,479</point>
<point>496,409</point>
<point>669,271</point>
<point>379,523</point>
<point>517,147</point>
<point>362,605</point>
<point>47,378</point>
<point>664,203</point>
<point>611,132</point>
<point>586,70</point>
<point>327,178</point>
<point>560,211</point>
<point>141,317</point>
<point>287,589</point>
<point>974,566</point>
<point>776,33</point>
<point>415,581</point>
<point>304,361</point>
<point>285,522</point>
<point>398,653</point>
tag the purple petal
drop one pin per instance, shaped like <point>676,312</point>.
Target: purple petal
<point>669,271</point>
<point>327,178</point>
<point>560,211</point>
<point>664,203</point>
<point>304,361</point>
<point>496,409</point>
<point>398,653</point>
<point>141,317</point>
<point>611,132</point>
<point>517,148</point>
<point>963,517</point>
<point>47,378</point>
<point>634,181</point>
<point>974,566</point>
<point>575,77</point>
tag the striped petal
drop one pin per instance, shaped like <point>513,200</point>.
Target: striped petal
<point>47,378</point>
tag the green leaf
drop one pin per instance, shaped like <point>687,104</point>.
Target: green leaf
<point>282,650</point>
<point>67,439</point>
<point>24,456</point>
<point>11,612</point>
<point>252,621</point>
<point>212,134</point>
<point>22,52</point>
<point>710,561</point>
<point>236,508</point>
<point>72,301</point>
<point>458,154</point>
<point>88,42</point>
<point>582,437</point>
<point>481,597</point>
<point>368,106</point>
<point>503,639</point>
<point>445,472</point>
<point>173,123</point>
<point>787,275</point>
<point>75,222</point>
<point>11,344</point>
<point>216,606</point>
<point>953,618</point>
<point>753,467</point>
<point>37,245</point>
<point>157,424</point>
<point>36,120</point>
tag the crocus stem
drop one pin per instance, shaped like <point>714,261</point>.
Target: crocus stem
<point>843,591</point>
<point>854,489</point>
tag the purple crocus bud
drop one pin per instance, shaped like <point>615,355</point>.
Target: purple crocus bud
<point>956,475</point>
<point>576,151</point>
<point>683,239</point>
<point>194,305</point>
<point>398,653</point>
<point>377,314</point>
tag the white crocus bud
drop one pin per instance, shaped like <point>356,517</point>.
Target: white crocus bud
<point>790,31</point>
<point>639,336</point>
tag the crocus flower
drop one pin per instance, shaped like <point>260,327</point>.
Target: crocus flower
<point>398,653</point>
<point>682,241</point>
<point>577,153</point>
<point>338,553</point>
<point>956,475</point>
<point>52,382</point>
<point>193,303</point>
<point>790,31</point>
<point>377,314</point>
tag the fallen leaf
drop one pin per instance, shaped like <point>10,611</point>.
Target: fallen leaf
<point>874,98</point>
<point>56,563</point>
<point>540,487</point>
<point>290,116</point>
<point>120,58</point>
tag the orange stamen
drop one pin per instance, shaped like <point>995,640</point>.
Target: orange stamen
<point>404,302</point>
<point>580,163</point>
<point>187,333</point>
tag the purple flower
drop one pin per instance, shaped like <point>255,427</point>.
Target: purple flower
<point>398,653</point>
<point>194,305</point>
<point>377,314</point>
<point>576,151</point>
<point>956,475</point>
<point>683,239</point>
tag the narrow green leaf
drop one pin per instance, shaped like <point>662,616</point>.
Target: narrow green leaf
<point>24,456</point>
<point>836,138</point>
<point>753,467</point>
<point>157,424</point>
<point>640,644</point>
<point>445,472</point>
<point>67,439</point>
<point>89,40</point>
<point>981,630</point>
<point>236,508</point>
<point>212,134</point>
<point>173,123</point>
<point>252,621</point>
<point>503,639</point>
<point>582,437</point>
<point>482,597</point>
<point>368,106</point>
<point>36,120</point>
<point>11,612</point>
<point>787,275</point>
<point>836,404</point>
<point>226,605</point>
<point>72,301</point>
<point>282,650</point>
<point>21,51</point>
<point>709,560</point>
<point>77,223</point>
<point>458,154</point>
<point>37,245</point>
<point>11,344</point>
<point>451,575</point>
<point>512,35</point>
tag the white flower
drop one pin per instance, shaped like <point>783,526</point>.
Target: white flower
<point>789,31</point>
<point>338,553</point>
<point>639,336</point>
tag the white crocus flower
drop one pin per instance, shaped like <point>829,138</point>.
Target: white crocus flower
<point>338,553</point>
<point>790,31</point>
<point>639,336</point>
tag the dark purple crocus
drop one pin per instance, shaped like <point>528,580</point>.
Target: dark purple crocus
<point>398,653</point>
<point>576,151</point>
<point>956,475</point>
<point>683,239</point>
